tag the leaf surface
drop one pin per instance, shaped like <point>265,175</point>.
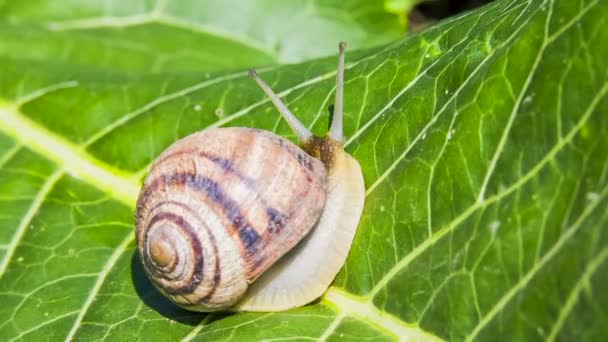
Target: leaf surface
<point>190,35</point>
<point>483,146</point>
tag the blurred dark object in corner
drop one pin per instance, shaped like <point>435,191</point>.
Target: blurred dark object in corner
<point>431,11</point>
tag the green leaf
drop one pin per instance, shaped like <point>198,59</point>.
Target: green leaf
<point>483,145</point>
<point>190,35</point>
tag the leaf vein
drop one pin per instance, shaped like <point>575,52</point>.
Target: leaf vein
<point>582,282</point>
<point>564,238</point>
<point>99,282</point>
<point>422,247</point>
<point>27,218</point>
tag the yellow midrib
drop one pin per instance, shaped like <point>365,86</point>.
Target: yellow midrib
<point>71,158</point>
<point>361,307</point>
<point>124,187</point>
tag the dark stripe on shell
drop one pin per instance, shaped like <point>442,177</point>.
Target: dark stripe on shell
<point>249,237</point>
<point>183,225</point>
<point>225,164</point>
<point>305,160</point>
<point>228,166</point>
<point>276,220</point>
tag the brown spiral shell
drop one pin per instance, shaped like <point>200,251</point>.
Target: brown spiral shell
<point>221,206</point>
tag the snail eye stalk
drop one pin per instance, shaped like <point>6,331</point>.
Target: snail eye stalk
<point>336,130</point>
<point>297,127</point>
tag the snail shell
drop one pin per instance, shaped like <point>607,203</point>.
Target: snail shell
<point>242,219</point>
<point>228,195</point>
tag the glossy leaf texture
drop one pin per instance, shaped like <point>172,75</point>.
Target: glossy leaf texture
<point>483,145</point>
<point>190,35</point>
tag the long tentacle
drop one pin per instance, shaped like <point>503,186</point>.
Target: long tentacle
<point>298,128</point>
<point>336,130</point>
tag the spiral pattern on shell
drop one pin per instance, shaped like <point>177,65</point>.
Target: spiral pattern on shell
<point>221,206</point>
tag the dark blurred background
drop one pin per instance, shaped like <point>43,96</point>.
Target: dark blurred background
<point>444,8</point>
<point>431,11</point>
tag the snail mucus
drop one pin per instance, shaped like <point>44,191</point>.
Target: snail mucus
<point>241,219</point>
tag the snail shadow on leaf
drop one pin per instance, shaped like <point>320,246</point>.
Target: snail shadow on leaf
<point>157,302</point>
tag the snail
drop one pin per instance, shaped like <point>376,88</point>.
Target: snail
<point>240,219</point>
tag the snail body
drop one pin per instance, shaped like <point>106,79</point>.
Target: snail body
<point>242,219</point>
